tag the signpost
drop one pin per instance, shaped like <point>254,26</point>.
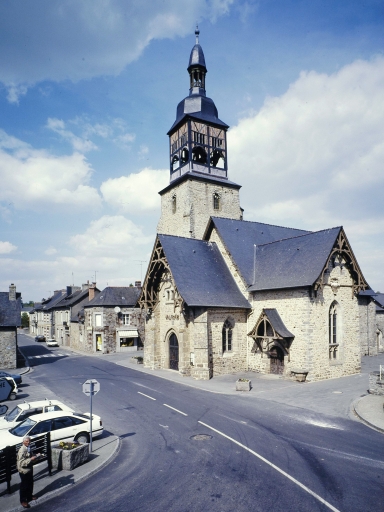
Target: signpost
<point>90,388</point>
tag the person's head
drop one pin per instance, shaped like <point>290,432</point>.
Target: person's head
<point>26,440</point>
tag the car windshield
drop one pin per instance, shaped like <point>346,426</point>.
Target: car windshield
<point>23,428</point>
<point>11,415</point>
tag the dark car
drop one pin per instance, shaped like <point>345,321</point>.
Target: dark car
<point>15,376</point>
<point>40,337</point>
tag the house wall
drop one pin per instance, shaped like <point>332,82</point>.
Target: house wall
<point>367,328</point>
<point>194,207</point>
<point>8,347</point>
<point>61,326</point>
<point>308,319</point>
<point>380,331</point>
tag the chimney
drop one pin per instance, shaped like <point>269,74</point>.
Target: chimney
<point>85,286</point>
<point>12,292</point>
<point>69,290</point>
<point>91,291</point>
<point>138,284</point>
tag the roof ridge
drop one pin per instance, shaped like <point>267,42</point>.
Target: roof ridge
<point>300,236</point>
<point>263,223</point>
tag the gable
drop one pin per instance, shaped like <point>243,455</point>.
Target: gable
<point>198,271</point>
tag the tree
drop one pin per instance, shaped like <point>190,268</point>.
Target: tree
<point>25,320</point>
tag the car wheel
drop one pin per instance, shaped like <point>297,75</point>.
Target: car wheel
<point>82,438</point>
<point>12,396</point>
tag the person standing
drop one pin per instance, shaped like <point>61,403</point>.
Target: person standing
<point>25,461</point>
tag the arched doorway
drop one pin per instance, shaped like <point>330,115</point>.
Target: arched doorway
<point>173,352</point>
<point>276,355</point>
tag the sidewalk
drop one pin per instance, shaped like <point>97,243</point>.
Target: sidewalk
<point>45,486</point>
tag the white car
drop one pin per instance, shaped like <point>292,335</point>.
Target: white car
<point>52,343</point>
<point>63,426</point>
<point>22,411</point>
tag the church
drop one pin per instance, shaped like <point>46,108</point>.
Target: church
<point>225,295</point>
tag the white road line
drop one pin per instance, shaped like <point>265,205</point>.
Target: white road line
<point>274,467</point>
<point>183,413</point>
<point>146,395</point>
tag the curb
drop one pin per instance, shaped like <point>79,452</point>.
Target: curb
<point>56,492</point>
<point>362,419</point>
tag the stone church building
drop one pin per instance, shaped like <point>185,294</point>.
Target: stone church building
<point>223,294</point>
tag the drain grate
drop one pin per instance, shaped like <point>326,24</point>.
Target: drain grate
<point>201,437</point>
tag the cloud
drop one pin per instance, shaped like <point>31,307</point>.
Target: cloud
<point>313,157</point>
<point>78,143</point>
<point>31,178</point>
<point>7,247</point>
<point>50,251</point>
<point>88,38</point>
<point>137,192</point>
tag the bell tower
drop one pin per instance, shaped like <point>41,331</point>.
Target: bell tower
<point>199,187</point>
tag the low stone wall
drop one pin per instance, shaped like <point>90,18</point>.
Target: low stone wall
<point>376,386</point>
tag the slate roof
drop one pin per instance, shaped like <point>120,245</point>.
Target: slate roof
<point>51,302</point>
<point>10,310</point>
<point>200,273</point>
<point>239,237</point>
<point>294,262</point>
<point>116,296</point>
<point>277,323</point>
<point>73,298</point>
<point>379,299</point>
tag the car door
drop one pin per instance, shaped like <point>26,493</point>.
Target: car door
<point>42,427</point>
<point>63,429</point>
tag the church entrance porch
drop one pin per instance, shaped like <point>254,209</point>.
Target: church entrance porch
<point>276,356</point>
<point>173,352</point>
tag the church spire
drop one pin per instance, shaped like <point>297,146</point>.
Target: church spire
<point>196,68</point>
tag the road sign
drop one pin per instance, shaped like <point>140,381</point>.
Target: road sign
<point>5,389</point>
<point>91,384</point>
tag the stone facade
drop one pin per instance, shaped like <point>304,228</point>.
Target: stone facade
<point>188,214</point>
<point>8,347</point>
<point>367,317</point>
<point>105,336</point>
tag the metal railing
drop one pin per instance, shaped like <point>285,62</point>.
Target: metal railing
<point>8,457</point>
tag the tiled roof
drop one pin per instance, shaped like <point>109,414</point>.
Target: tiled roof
<point>116,296</point>
<point>10,310</point>
<point>293,262</point>
<point>239,237</point>
<point>200,273</point>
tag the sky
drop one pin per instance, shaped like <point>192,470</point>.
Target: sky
<point>89,89</point>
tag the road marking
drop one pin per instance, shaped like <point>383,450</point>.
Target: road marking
<point>274,467</point>
<point>177,410</point>
<point>146,395</point>
<point>46,355</point>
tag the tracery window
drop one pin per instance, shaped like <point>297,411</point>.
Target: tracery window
<point>333,324</point>
<point>227,336</point>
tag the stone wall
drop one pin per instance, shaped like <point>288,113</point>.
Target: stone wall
<point>8,347</point>
<point>194,207</point>
<point>367,328</point>
<point>380,331</point>
<point>308,319</point>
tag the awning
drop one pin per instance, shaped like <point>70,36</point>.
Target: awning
<point>128,334</point>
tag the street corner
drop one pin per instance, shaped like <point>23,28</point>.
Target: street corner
<point>370,410</point>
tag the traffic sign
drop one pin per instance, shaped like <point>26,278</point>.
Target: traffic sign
<point>91,384</point>
<point>5,389</point>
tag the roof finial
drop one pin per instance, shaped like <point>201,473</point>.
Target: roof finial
<point>197,32</point>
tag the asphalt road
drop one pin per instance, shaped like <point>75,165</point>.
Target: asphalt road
<point>250,454</point>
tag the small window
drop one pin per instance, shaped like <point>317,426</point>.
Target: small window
<point>98,320</point>
<point>126,319</point>
<point>216,201</point>
<point>174,203</point>
<point>333,324</point>
<point>227,336</point>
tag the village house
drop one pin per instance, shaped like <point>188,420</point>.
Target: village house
<point>10,320</point>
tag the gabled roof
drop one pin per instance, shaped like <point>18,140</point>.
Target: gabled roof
<point>278,325</point>
<point>10,310</point>
<point>200,273</point>
<point>51,302</point>
<point>116,296</point>
<point>72,299</point>
<point>294,262</point>
<point>239,238</point>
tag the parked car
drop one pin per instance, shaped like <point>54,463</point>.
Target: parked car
<point>22,411</point>
<point>63,426</point>
<point>8,392</point>
<point>40,337</point>
<point>15,376</point>
<point>52,343</point>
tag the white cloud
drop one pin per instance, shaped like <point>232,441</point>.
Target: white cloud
<point>33,178</point>
<point>78,143</point>
<point>7,247</point>
<point>88,38</point>
<point>136,192</point>
<point>313,157</point>
<point>50,251</point>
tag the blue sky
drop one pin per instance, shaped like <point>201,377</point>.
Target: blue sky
<point>89,89</point>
